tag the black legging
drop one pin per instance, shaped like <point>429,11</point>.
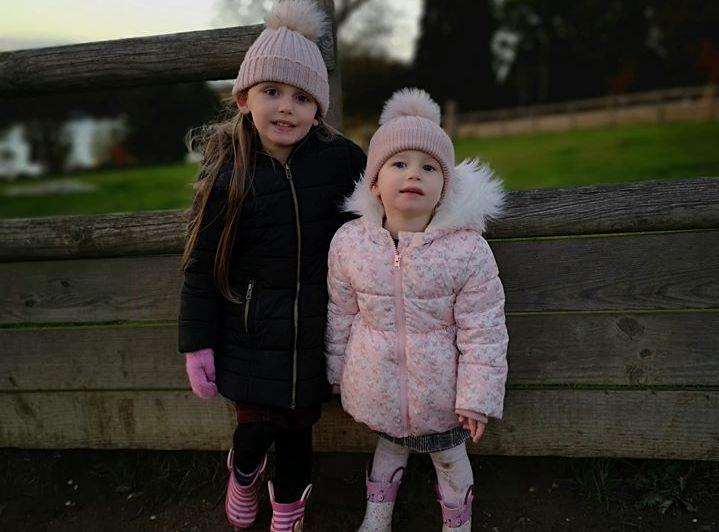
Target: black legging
<point>293,455</point>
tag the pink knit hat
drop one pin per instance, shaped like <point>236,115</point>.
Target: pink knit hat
<point>410,121</point>
<point>286,51</point>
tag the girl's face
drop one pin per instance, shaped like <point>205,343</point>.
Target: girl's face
<point>410,183</point>
<point>282,114</point>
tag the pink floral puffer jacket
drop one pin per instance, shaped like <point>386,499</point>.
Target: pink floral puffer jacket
<point>417,331</point>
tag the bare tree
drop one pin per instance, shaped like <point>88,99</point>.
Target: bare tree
<point>243,12</point>
<point>345,8</point>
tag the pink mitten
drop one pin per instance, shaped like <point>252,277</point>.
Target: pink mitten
<point>201,372</point>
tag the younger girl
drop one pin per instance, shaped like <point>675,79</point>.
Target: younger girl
<point>253,303</point>
<point>416,332</point>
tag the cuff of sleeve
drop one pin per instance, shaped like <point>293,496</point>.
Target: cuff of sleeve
<point>472,415</point>
<point>200,352</point>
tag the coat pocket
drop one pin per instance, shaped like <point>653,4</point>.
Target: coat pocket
<point>248,303</point>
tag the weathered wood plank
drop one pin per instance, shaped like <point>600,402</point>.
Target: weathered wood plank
<point>635,424</point>
<point>642,424</point>
<point>629,207</point>
<point>142,288</point>
<point>91,358</point>
<point>668,349</point>
<point>647,206</point>
<point>631,272</point>
<point>105,235</point>
<point>173,58</point>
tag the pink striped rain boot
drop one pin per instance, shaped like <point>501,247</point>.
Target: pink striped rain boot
<point>241,501</point>
<point>380,502</point>
<point>288,517</point>
<point>457,519</point>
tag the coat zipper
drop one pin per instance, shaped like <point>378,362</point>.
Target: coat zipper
<point>248,298</point>
<point>288,173</point>
<point>401,336</point>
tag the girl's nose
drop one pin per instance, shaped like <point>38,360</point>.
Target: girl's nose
<point>285,106</point>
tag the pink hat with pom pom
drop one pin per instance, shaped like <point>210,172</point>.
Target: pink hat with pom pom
<point>286,51</point>
<point>410,120</point>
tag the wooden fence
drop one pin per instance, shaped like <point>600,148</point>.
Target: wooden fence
<point>612,303</point>
<point>659,106</point>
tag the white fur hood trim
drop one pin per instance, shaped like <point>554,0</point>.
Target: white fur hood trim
<point>473,197</point>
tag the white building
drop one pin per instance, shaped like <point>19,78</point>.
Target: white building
<point>15,153</point>
<point>89,141</point>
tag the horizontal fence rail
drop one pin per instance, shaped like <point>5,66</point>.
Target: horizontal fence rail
<point>612,101</point>
<point>180,57</point>
<point>629,207</point>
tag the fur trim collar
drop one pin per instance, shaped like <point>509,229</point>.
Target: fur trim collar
<point>472,197</point>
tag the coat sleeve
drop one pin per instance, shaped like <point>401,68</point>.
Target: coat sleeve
<point>481,337</point>
<point>341,311</point>
<point>200,300</point>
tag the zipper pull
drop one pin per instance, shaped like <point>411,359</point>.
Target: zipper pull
<point>396,259</point>
<point>249,291</point>
<point>288,175</point>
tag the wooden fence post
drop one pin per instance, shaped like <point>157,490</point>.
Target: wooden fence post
<point>612,109</point>
<point>660,109</point>
<point>710,96</point>
<point>450,118</point>
<point>334,115</point>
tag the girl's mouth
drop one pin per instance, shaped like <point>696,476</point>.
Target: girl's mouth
<point>412,190</point>
<point>282,125</point>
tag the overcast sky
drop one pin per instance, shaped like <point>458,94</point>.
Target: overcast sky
<point>33,23</point>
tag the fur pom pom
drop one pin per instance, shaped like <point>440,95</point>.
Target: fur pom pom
<point>302,16</point>
<point>411,102</point>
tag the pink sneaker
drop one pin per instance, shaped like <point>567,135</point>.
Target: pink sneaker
<point>459,518</point>
<point>241,501</point>
<point>288,517</point>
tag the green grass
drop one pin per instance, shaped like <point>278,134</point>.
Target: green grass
<point>137,189</point>
<point>601,156</point>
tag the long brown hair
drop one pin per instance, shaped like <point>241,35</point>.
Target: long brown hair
<point>233,134</point>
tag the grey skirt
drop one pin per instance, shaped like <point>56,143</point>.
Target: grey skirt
<point>431,443</point>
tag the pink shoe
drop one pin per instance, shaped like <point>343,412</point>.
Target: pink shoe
<point>459,517</point>
<point>241,501</point>
<point>288,517</point>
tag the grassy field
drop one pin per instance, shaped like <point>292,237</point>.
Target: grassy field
<point>610,155</point>
<point>138,189</point>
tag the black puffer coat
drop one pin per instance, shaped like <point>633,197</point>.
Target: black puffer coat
<point>269,349</point>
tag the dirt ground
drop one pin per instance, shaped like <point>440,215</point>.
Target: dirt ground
<point>140,490</point>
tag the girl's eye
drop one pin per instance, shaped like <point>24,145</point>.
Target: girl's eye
<point>271,91</point>
<point>429,168</point>
<point>302,98</point>
<point>399,164</point>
